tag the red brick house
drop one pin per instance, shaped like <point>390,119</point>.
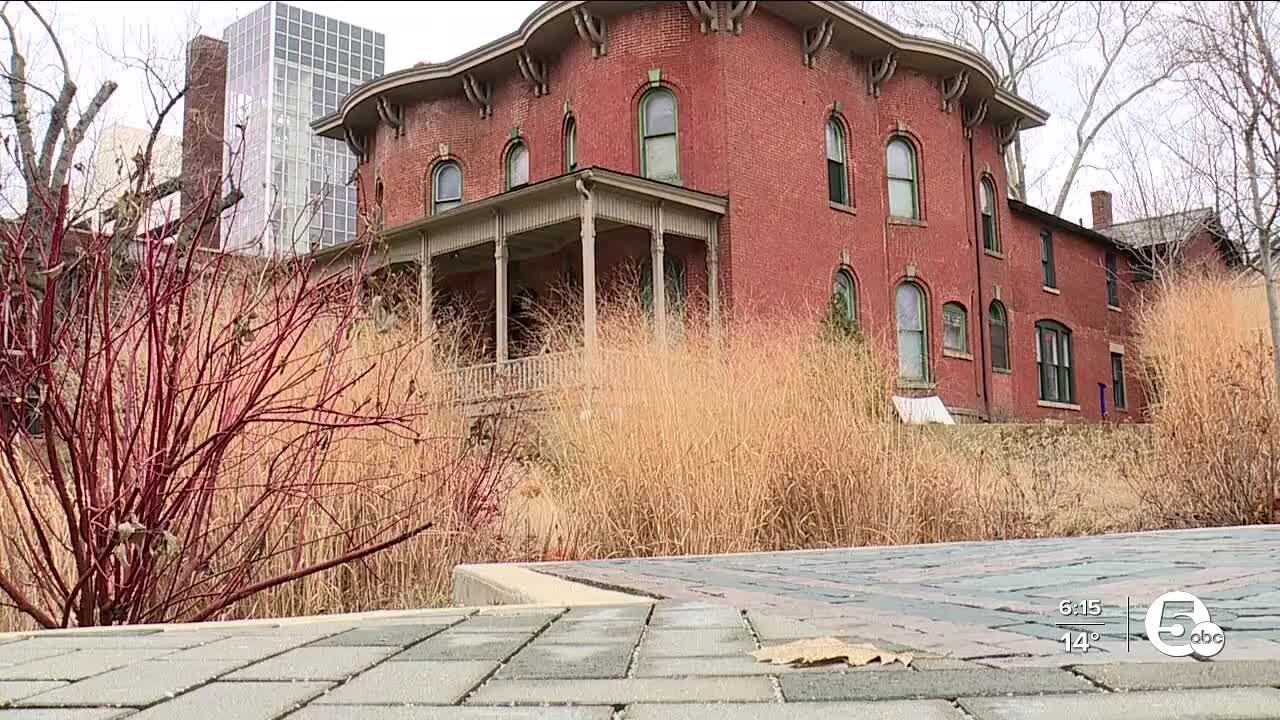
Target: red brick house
<point>752,157</point>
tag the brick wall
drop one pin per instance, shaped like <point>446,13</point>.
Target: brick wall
<point>751,122</point>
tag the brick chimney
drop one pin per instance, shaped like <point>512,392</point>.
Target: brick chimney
<point>1101,201</point>
<point>202,130</point>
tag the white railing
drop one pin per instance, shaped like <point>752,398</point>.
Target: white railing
<point>521,376</point>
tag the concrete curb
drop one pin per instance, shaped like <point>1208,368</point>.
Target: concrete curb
<point>509,584</point>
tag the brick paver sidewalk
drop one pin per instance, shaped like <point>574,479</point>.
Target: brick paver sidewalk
<point>682,659</point>
<point>994,601</point>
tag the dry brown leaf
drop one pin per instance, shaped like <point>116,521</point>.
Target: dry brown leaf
<point>827,649</point>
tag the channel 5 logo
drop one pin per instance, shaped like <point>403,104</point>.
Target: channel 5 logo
<point>1189,626</point>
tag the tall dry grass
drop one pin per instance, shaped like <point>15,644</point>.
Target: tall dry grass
<point>1207,355</point>
<point>787,441</point>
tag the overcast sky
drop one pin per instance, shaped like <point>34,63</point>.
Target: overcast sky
<point>97,32</point>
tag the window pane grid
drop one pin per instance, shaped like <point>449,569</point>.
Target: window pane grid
<point>659,156</point>
<point>1000,338</point>
<point>1046,260</point>
<point>954,328</point>
<point>904,200</point>
<point>1053,361</point>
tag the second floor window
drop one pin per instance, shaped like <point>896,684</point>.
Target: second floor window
<point>446,187</point>
<point>517,165</point>
<point>837,176</point>
<point>990,239</point>
<point>1046,260</point>
<point>570,144</point>
<point>904,189</point>
<point>1113,281</point>
<point>659,144</point>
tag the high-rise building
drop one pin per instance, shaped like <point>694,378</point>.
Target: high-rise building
<point>288,66</point>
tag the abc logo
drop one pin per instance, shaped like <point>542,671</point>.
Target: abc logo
<point>1205,639</point>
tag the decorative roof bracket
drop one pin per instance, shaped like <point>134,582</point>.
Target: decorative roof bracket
<point>591,28</point>
<point>1005,135</point>
<point>739,11</point>
<point>705,14</point>
<point>952,88</point>
<point>392,115</point>
<point>816,38</point>
<point>880,72</point>
<point>479,93</point>
<point>974,117</point>
<point>534,73</point>
<point>355,145</point>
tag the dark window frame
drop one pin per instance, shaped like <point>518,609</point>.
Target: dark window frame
<point>838,167</point>
<point>436,199</point>
<point>847,302</point>
<point>1113,280</point>
<point>1049,273</point>
<point>1055,362</point>
<point>990,224</point>
<point>955,308</point>
<point>570,143</point>
<point>998,316</point>
<point>1119,389</point>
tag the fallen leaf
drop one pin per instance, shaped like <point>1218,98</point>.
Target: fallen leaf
<point>821,650</point>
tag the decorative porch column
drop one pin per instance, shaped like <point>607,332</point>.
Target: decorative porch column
<point>659,289</point>
<point>500,287</point>
<point>713,278</point>
<point>426,290</point>
<point>587,221</point>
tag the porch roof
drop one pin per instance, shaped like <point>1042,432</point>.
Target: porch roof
<point>620,197</point>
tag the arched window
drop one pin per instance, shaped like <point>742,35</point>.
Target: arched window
<point>904,186</point>
<point>570,144</point>
<point>1055,361</point>
<point>998,322</point>
<point>990,237</point>
<point>837,175</point>
<point>446,187</point>
<point>517,165</point>
<point>955,328</point>
<point>659,145</point>
<point>913,343</point>
<point>844,295</point>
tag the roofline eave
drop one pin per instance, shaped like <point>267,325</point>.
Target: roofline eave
<point>1028,114</point>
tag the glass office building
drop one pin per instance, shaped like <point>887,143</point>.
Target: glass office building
<point>286,67</point>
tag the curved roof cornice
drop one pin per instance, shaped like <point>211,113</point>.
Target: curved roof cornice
<point>551,25</point>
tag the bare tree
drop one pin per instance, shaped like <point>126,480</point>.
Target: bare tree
<point>1124,35</point>
<point>1230,51</point>
<point>1166,186</point>
<point>1017,37</point>
<point>44,166</point>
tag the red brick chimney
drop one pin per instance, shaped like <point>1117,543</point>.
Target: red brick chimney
<point>202,129</point>
<point>1101,201</point>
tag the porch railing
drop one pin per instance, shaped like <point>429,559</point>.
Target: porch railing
<point>514,378</point>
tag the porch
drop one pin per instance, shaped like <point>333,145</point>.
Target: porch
<point>474,247</point>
